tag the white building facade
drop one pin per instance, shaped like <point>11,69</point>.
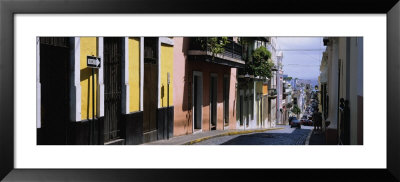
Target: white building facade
<point>341,88</point>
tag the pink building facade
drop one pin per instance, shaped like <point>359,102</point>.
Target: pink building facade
<point>204,88</point>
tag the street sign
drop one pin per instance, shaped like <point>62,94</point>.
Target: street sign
<point>93,62</point>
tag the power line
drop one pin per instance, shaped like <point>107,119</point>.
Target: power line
<point>300,49</point>
<point>301,65</point>
<point>317,59</point>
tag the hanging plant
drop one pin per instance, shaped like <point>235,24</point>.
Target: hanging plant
<point>261,65</point>
<point>215,45</point>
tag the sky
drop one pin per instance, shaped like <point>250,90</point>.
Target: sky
<point>301,56</point>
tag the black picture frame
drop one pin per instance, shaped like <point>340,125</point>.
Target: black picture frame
<point>9,8</point>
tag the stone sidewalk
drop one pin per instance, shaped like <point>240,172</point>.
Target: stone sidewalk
<point>317,139</point>
<point>201,136</point>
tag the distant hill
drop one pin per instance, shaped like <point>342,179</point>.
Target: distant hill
<point>311,82</point>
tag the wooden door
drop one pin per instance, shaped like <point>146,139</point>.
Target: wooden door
<point>112,88</point>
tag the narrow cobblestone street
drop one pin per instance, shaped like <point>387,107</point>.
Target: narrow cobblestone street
<point>286,136</point>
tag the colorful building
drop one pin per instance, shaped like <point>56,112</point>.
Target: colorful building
<point>205,86</point>
<point>251,99</point>
<point>265,112</point>
<point>341,84</point>
<point>127,100</point>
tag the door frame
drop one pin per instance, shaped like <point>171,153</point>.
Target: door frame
<point>247,106</point>
<point>223,98</point>
<point>200,88</point>
<point>241,108</point>
<point>66,76</point>
<point>143,73</point>
<point>124,86</point>
<point>269,117</point>
<point>213,75</point>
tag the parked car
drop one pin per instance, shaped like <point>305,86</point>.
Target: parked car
<point>305,120</point>
<point>295,123</point>
<point>310,117</point>
<point>291,118</point>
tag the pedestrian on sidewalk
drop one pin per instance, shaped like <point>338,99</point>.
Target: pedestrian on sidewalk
<point>317,121</point>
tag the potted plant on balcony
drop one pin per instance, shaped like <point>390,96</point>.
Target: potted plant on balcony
<point>261,65</point>
<point>215,45</point>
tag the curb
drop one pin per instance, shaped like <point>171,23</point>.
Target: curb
<point>229,133</point>
<point>309,136</point>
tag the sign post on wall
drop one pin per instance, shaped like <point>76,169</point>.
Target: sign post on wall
<point>94,63</point>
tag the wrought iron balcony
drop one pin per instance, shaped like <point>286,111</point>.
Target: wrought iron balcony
<point>233,50</point>
<point>231,56</point>
<point>272,91</point>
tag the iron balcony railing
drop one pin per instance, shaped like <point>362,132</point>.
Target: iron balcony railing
<point>272,91</point>
<point>56,41</point>
<point>231,49</point>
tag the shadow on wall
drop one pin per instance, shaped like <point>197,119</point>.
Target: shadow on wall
<point>86,74</point>
<point>186,78</point>
<point>186,101</point>
<point>162,95</point>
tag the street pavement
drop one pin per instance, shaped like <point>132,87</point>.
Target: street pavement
<point>187,139</point>
<point>286,136</point>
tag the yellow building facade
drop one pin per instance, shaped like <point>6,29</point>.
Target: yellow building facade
<point>115,91</point>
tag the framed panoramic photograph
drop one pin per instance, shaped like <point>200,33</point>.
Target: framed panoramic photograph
<point>145,91</point>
